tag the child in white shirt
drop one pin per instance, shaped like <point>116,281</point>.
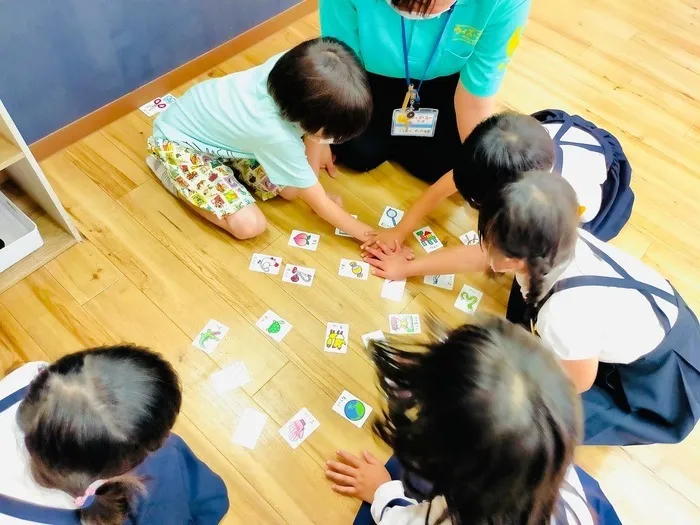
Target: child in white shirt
<point>624,335</point>
<point>483,423</point>
<point>86,441</point>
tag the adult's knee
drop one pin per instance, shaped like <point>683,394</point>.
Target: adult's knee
<point>247,223</point>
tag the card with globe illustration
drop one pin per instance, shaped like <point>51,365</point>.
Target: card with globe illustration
<point>352,409</point>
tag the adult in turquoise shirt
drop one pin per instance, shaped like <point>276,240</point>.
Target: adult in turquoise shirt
<point>459,48</point>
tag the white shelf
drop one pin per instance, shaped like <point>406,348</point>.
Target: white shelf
<point>29,189</point>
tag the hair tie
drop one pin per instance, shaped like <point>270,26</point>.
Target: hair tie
<point>88,498</point>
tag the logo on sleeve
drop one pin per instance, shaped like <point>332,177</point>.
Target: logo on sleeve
<point>468,34</point>
<point>511,46</point>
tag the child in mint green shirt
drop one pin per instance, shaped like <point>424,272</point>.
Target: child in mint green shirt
<point>246,134</point>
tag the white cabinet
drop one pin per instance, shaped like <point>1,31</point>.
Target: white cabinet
<point>26,186</point>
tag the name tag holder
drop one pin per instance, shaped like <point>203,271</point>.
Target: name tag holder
<point>410,120</point>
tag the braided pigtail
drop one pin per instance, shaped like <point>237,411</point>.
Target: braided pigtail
<point>537,270</point>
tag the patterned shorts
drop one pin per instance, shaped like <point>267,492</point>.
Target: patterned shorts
<point>215,184</point>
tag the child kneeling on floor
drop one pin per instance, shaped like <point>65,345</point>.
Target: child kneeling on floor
<point>87,441</point>
<point>483,423</point>
<point>247,131</point>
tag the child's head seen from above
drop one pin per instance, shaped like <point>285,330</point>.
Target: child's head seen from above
<point>530,226</point>
<point>96,415</point>
<point>485,414</point>
<point>497,151</point>
<point>322,86</point>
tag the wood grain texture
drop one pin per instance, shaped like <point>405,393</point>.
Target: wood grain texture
<point>630,67</point>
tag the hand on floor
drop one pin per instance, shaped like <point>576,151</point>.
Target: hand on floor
<point>357,477</point>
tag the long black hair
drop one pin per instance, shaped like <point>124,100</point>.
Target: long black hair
<point>498,150</point>
<point>486,415</point>
<point>97,414</point>
<point>321,85</point>
<point>535,219</point>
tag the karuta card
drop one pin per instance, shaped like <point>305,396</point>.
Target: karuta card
<point>352,409</point>
<point>301,426</point>
<point>353,269</point>
<point>249,428</point>
<point>393,290</point>
<point>404,323</point>
<point>298,275</point>
<point>211,335</point>
<point>341,233</point>
<point>265,263</point>
<point>468,299</point>
<point>377,335</point>
<point>230,378</point>
<point>337,337</point>
<point>440,281</point>
<point>427,239</point>
<point>274,326</point>
<point>304,240</point>
<point>158,105</point>
<point>391,217</point>
<point>470,238</point>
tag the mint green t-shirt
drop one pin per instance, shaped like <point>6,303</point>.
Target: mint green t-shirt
<point>235,116</point>
<point>478,42</point>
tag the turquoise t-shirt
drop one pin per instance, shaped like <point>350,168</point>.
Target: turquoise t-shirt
<point>478,42</point>
<point>235,116</point>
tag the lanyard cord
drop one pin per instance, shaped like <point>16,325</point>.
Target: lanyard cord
<point>432,53</point>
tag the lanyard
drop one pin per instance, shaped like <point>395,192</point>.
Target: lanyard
<point>430,59</point>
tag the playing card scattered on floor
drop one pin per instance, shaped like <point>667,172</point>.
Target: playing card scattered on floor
<point>158,105</point>
<point>404,323</point>
<point>391,217</point>
<point>274,326</point>
<point>298,275</point>
<point>211,335</point>
<point>341,233</point>
<point>304,240</point>
<point>469,238</point>
<point>440,281</point>
<point>265,263</point>
<point>352,409</point>
<point>249,428</point>
<point>301,426</point>
<point>353,269</point>
<point>427,239</point>
<point>393,290</point>
<point>337,337</point>
<point>377,335</point>
<point>230,378</point>
<point>468,299</point>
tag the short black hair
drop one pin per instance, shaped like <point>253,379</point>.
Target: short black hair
<point>498,150</point>
<point>322,86</point>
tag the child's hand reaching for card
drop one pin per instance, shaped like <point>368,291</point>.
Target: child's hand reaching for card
<point>357,477</point>
<point>387,263</point>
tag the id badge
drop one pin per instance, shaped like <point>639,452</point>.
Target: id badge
<point>422,124</point>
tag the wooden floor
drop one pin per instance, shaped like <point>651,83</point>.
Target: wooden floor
<point>151,272</point>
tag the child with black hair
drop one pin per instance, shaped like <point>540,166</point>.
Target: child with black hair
<point>624,335</point>
<point>483,424</point>
<point>507,144</point>
<point>259,130</point>
<point>86,441</point>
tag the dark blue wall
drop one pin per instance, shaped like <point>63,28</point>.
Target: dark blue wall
<point>62,59</point>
